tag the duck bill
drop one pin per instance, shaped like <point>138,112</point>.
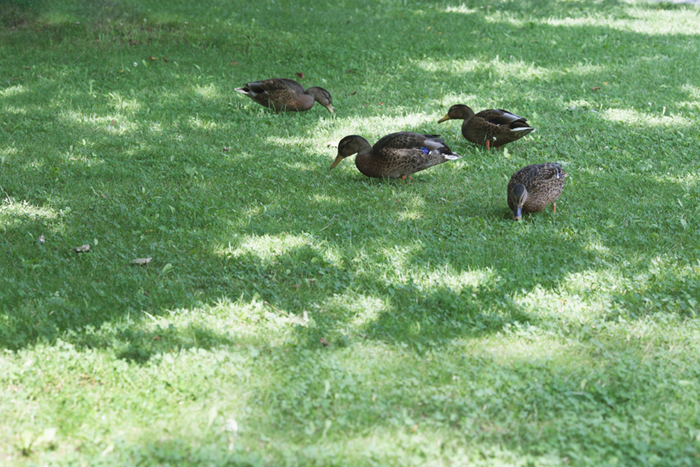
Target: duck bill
<point>517,213</point>
<point>444,119</point>
<point>330,108</point>
<point>336,161</point>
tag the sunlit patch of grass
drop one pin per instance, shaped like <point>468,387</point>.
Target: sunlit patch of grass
<point>208,92</point>
<point>124,104</point>
<point>364,309</point>
<point>13,211</point>
<point>463,9</point>
<point>635,117</point>
<point>16,110</point>
<point>13,90</point>
<point>644,21</point>
<point>458,280</point>
<point>106,123</point>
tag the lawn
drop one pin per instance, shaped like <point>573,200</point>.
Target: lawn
<point>291,315</point>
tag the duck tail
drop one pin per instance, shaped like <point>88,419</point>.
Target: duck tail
<point>448,155</point>
<point>526,129</point>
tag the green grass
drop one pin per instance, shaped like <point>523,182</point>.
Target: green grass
<point>455,335</point>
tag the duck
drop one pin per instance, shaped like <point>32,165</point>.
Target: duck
<point>491,127</point>
<point>533,188</point>
<point>396,155</point>
<point>282,94</point>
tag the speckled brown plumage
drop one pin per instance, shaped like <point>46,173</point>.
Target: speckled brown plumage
<point>282,94</point>
<point>490,128</point>
<point>533,187</point>
<point>397,155</point>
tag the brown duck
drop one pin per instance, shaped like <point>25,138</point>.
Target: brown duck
<point>490,128</point>
<point>533,187</point>
<point>397,155</point>
<point>283,94</point>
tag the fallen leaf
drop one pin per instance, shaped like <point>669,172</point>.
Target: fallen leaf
<point>141,261</point>
<point>82,248</point>
<point>41,239</point>
<point>595,88</point>
<point>227,148</point>
<point>353,93</point>
<point>165,59</point>
<point>323,342</point>
<point>300,75</point>
<point>234,63</point>
<point>152,58</point>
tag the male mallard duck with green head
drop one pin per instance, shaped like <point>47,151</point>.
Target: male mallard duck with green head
<point>397,155</point>
<point>282,94</point>
<point>534,187</point>
<point>492,128</point>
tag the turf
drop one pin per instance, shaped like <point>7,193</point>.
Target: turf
<point>292,315</point>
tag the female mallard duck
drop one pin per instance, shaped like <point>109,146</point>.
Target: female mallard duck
<point>490,128</point>
<point>395,155</point>
<point>533,187</point>
<point>286,94</point>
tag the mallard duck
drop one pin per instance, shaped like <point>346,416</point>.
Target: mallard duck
<point>397,155</point>
<point>533,187</point>
<point>490,128</point>
<point>286,94</point>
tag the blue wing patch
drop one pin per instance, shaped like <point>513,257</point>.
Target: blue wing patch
<point>425,150</point>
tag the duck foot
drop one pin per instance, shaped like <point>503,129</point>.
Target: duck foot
<point>554,206</point>
<point>403,178</point>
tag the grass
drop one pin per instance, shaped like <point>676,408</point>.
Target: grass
<point>454,335</point>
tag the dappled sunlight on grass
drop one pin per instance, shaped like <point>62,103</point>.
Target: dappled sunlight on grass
<point>13,91</point>
<point>111,124</point>
<point>364,309</point>
<point>450,66</point>
<point>635,117</point>
<point>694,91</point>
<point>269,247</point>
<point>199,123</point>
<point>463,9</point>
<point>334,316</point>
<point>6,153</point>
<point>16,110</point>
<point>14,212</point>
<point>657,22</point>
<point>208,92</point>
<point>458,280</point>
<point>644,21</point>
<point>518,344</point>
<point>506,69</point>
<point>124,104</point>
